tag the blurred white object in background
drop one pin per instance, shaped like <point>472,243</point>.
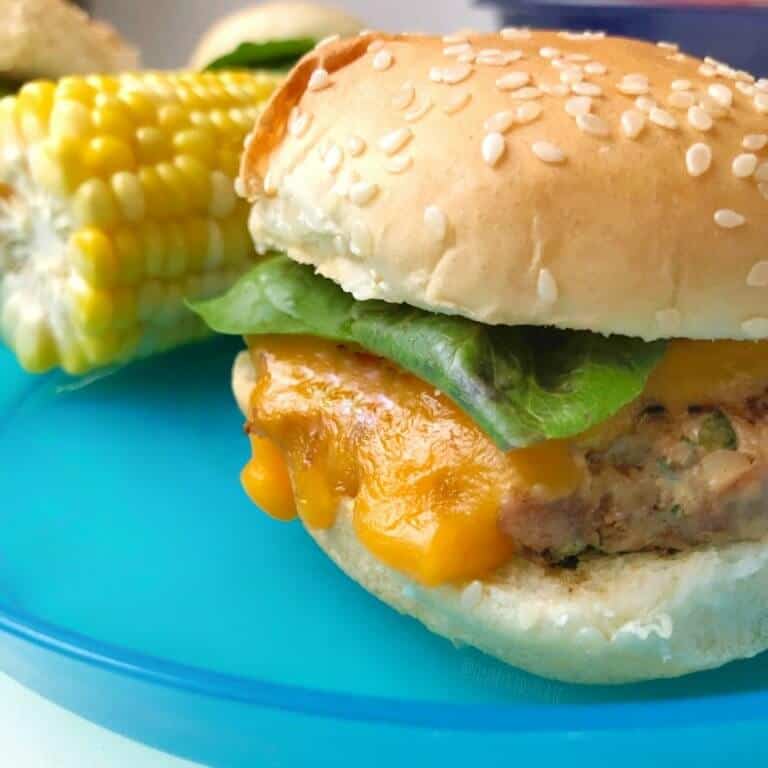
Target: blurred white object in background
<point>167,30</point>
<point>264,21</point>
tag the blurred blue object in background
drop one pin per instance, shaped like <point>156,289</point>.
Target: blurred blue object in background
<point>732,33</point>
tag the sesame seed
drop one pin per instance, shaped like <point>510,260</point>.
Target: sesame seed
<point>645,103</point>
<point>398,163</point>
<point>327,41</point>
<point>528,112</point>
<point>593,125</point>
<point>492,148</point>
<point>569,76</point>
<point>436,74</point>
<point>490,52</point>
<point>586,89</point>
<point>512,81</point>
<point>513,56</point>
<point>632,123</point>
<point>395,140</point>
<point>663,118</point>
<point>455,38</point>
<point>500,122</point>
<point>681,99</point>
<point>404,96</point>
<point>761,102</point>
<point>762,84</point>
<point>745,77</point>
<point>722,94</point>
<point>728,219</point>
<point>554,89</point>
<point>681,85</point>
<point>578,105</point>
<point>456,102</point>
<point>548,53</point>
<point>355,146</point>
<point>546,286</point>
<point>758,275</point>
<point>668,320</point>
<point>457,50</point>
<point>548,152</point>
<point>466,58</point>
<point>560,64</point>
<point>746,88</point>
<point>298,124</point>
<point>595,68</point>
<point>744,165</point>
<point>471,596</point>
<point>676,57</point>
<point>516,33</point>
<point>362,192</point>
<point>526,94</point>
<point>360,240</point>
<point>318,80</point>
<point>713,108</point>
<point>382,60</point>
<point>578,57</point>
<point>699,119</point>
<point>762,188</point>
<point>419,111</point>
<point>698,159</point>
<point>756,328</point>
<point>374,46</point>
<point>344,181</point>
<point>492,60</point>
<point>632,85</point>
<point>333,158</point>
<point>457,74</point>
<point>761,174</point>
<point>436,222</point>
<point>707,70</point>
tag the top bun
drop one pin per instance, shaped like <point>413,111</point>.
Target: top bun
<point>273,21</point>
<point>52,38</point>
<point>529,177</point>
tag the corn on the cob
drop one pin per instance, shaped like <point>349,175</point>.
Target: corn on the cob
<point>116,203</point>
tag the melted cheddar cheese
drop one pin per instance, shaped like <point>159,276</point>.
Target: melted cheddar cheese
<point>330,423</point>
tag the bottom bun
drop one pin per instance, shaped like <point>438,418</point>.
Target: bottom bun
<point>613,619</point>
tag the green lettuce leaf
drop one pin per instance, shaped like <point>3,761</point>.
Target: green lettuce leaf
<point>274,54</point>
<point>520,384</point>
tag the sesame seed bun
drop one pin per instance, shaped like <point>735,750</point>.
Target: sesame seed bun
<point>52,38</point>
<point>524,178</point>
<point>271,21</point>
<point>614,619</point>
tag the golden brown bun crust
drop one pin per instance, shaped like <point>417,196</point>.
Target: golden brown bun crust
<point>271,21</point>
<point>616,618</point>
<point>619,237</point>
<point>52,38</point>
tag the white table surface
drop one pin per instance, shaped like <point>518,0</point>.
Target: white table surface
<point>37,734</point>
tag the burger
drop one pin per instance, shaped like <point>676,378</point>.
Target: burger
<point>506,356</point>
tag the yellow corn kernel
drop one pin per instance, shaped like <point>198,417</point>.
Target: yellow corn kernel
<point>129,255</point>
<point>196,141</point>
<point>175,188</point>
<point>223,197</point>
<point>154,248</point>
<point>103,84</point>
<point>152,145</point>
<point>76,89</point>
<point>106,155</point>
<point>93,308</point>
<point>125,309</point>
<point>113,119</point>
<point>94,204</point>
<point>91,254</point>
<point>70,118</point>
<point>176,255</point>
<point>229,161</point>
<point>102,348</point>
<point>197,181</point>
<point>141,106</point>
<point>196,236</point>
<point>155,193</point>
<point>238,249</point>
<point>129,196</point>
<point>151,296</point>
<point>171,117</point>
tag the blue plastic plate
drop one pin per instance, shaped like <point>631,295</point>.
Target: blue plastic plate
<point>140,588</point>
